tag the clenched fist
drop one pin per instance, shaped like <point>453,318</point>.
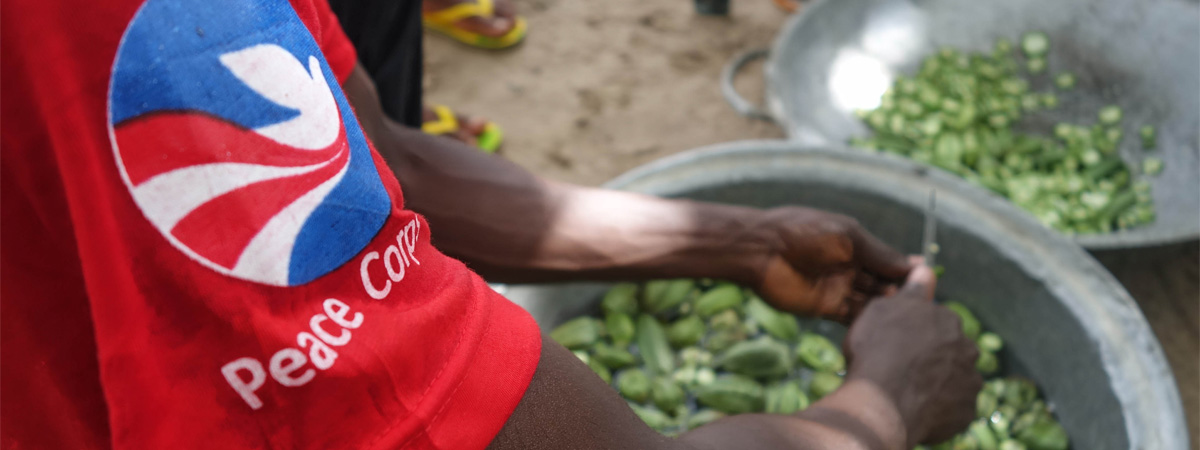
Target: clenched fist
<point>826,265</point>
<point>916,352</point>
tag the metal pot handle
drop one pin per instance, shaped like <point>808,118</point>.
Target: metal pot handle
<point>740,104</point>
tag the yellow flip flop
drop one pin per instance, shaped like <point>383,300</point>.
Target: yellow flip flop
<point>489,140</point>
<point>446,22</point>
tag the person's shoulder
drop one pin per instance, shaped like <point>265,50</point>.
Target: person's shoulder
<point>327,31</point>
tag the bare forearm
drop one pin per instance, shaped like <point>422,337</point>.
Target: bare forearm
<point>587,413</point>
<point>856,416</point>
<point>511,225</point>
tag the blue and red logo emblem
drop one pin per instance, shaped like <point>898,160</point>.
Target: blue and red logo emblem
<point>236,141</point>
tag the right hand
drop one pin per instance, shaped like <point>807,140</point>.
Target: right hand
<point>916,352</point>
<point>825,264</point>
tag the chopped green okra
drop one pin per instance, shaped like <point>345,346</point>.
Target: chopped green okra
<point>982,433</point>
<point>612,357</point>
<point>732,394</point>
<point>824,383</point>
<point>970,325</point>
<point>820,353</point>
<point>1049,101</point>
<point>695,356</point>
<point>989,341</point>
<point>620,328</point>
<point>685,332</point>
<point>703,417</point>
<point>761,357</point>
<point>987,363</point>
<point>757,372</point>
<point>962,112</point>
<point>578,333</point>
<point>1001,418</point>
<point>622,298</point>
<point>653,346</point>
<point>1035,44</point>
<point>634,385</point>
<point>1065,80</point>
<point>1045,434</point>
<point>656,419</point>
<point>1149,137</point>
<point>664,295</point>
<point>986,403</point>
<point>1110,115</point>
<point>1003,46</point>
<point>1036,65</point>
<point>666,395</point>
<point>601,370</point>
<point>1152,165</point>
<point>785,398</point>
<point>1030,102</point>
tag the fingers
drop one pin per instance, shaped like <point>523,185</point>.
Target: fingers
<point>890,290</point>
<point>961,412</point>
<point>854,305</point>
<point>921,283</point>
<point>835,293</point>
<point>867,284</point>
<point>866,288</point>
<point>872,286</point>
<point>879,258</point>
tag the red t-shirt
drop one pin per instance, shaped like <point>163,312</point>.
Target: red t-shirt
<point>201,249</point>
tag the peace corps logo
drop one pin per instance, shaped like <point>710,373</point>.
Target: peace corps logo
<point>236,142</point>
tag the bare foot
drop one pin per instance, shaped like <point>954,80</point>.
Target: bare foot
<point>501,22</point>
<point>469,128</point>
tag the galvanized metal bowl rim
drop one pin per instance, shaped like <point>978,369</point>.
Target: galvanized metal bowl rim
<point>774,76</point>
<point>1131,354</point>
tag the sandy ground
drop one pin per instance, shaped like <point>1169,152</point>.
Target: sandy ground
<point>601,87</point>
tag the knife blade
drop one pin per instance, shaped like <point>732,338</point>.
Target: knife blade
<point>929,246</point>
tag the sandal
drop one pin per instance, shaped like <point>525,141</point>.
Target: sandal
<point>445,21</point>
<point>447,122</point>
<point>790,6</point>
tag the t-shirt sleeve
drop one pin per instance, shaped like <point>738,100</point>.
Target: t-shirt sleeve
<point>206,202</point>
<point>324,25</point>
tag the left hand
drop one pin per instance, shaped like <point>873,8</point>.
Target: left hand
<point>826,265</point>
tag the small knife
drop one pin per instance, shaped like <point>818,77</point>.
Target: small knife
<point>929,246</point>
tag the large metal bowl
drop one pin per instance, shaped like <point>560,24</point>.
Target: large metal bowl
<point>1067,323</point>
<point>1144,55</point>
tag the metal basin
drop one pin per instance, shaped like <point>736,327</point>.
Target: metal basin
<point>1067,323</point>
<point>1144,55</point>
